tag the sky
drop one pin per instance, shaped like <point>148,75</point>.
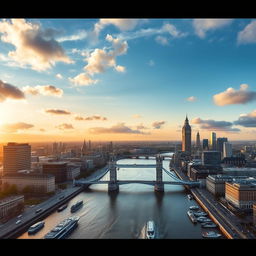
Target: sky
<point>126,79</point>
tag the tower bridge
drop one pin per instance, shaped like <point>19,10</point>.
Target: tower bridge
<point>114,183</point>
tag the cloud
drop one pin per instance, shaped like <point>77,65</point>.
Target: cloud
<point>210,124</point>
<point>118,128</point>
<point>136,116</point>
<point>248,34</point>
<point>8,91</point>
<point>11,128</point>
<point>59,76</point>
<point>80,35</point>
<point>82,80</point>
<point>57,111</point>
<point>34,47</point>
<point>247,120</point>
<point>202,26</point>
<point>47,90</point>
<point>100,59</point>
<point>151,63</point>
<point>158,124</point>
<point>191,99</point>
<point>42,130</point>
<point>162,40</point>
<point>90,118</point>
<point>64,126</point>
<point>232,96</point>
<point>141,127</point>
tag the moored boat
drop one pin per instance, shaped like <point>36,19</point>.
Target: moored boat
<point>62,207</point>
<point>76,206</point>
<point>150,230</point>
<point>36,227</point>
<point>194,207</point>
<point>192,216</point>
<point>208,225</point>
<point>190,197</point>
<point>211,234</point>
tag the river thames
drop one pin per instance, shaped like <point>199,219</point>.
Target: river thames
<point>124,215</point>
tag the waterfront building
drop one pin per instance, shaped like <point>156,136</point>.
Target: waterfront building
<point>242,171</point>
<point>38,183</point>
<point>205,144</point>
<point>10,205</point>
<point>213,141</point>
<point>233,161</point>
<point>216,183</point>
<point>73,170</point>
<point>212,158</point>
<point>58,169</point>
<point>241,193</point>
<point>16,157</point>
<point>186,136</point>
<point>227,149</point>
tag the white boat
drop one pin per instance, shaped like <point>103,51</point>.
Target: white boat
<point>190,196</point>
<point>150,230</point>
<point>203,219</point>
<point>211,234</point>
<point>36,227</point>
<point>192,216</point>
<point>208,225</point>
<point>194,207</point>
<point>200,214</point>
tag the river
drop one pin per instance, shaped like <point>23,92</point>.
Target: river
<point>124,215</point>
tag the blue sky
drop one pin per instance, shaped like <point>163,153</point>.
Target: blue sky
<point>118,68</point>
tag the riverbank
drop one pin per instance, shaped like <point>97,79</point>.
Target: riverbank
<point>229,225</point>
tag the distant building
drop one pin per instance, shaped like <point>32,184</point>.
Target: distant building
<point>38,183</point>
<point>16,157</point>
<point>213,141</point>
<point>254,214</point>
<point>58,169</point>
<point>83,149</point>
<point>10,205</point>
<point>220,143</point>
<point>233,161</point>
<point>227,149</point>
<point>73,171</point>
<point>241,193</point>
<point>205,144</point>
<point>212,158</point>
<point>186,137</point>
<point>198,142</point>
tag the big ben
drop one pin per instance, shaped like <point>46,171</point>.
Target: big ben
<point>186,137</point>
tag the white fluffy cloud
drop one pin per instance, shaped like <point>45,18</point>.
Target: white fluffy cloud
<point>47,90</point>
<point>10,128</point>
<point>201,26</point>
<point>248,34</point>
<point>247,120</point>
<point>158,124</point>
<point>34,47</point>
<point>232,96</point>
<point>82,80</point>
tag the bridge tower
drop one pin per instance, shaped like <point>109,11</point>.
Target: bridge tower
<point>112,185</point>
<point>159,186</point>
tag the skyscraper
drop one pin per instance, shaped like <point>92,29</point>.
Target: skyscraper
<point>213,141</point>
<point>16,157</point>
<point>220,142</point>
<point>205,144</point>
<point>186,136</point>
<point>227,149</point>
<point>83,149</point>
<point>198,143</point>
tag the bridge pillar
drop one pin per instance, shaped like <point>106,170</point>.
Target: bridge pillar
<point>159,186</point>
<point>112,185</point>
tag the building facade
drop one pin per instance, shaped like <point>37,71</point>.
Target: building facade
<point>227,149</point>
<point>16,157</point>
<point>58,169</point>
<point>212,158</point>
<point>213,141</point>
<point>186,137</point>
<point>205,144</point>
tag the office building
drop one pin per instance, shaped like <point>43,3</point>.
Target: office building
<point>16,157</point>
<point>186,137</point>
<point>212,158</point>
<point>205,144</point>
<point>227,149</point>
<point>213,141</point>
<point>58,169</point>
<point>220,143</point>
<point>198,142</point>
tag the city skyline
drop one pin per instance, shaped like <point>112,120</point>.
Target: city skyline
<point>126,79</point>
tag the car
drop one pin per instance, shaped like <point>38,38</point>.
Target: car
<point>61,197</point>
<point>32,205</point>
<point>38,210</point>
<point>19,216</point>
<point>18,222</point>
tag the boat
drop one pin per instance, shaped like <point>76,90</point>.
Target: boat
<point>76,206</point>
<point>36,227</point>
<point>61,208</point>
<point>203,219</point>
<point>208,225</point>
<point>211,234</point>
<point>150,230</point>
<point>200,214</point>
<point>192,216</point>
<point>63,229</point>
<point>190,197</point>
<point>194,207</point>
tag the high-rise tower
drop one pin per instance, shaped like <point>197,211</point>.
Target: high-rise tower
<point>186,136</point>
<point>198,143</point>
<point>213,141</point>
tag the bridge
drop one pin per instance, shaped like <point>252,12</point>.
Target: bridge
<point>114,183</point>
<point>142,155</point>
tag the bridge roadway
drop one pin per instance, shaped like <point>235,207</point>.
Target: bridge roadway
<point>135,165</point>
